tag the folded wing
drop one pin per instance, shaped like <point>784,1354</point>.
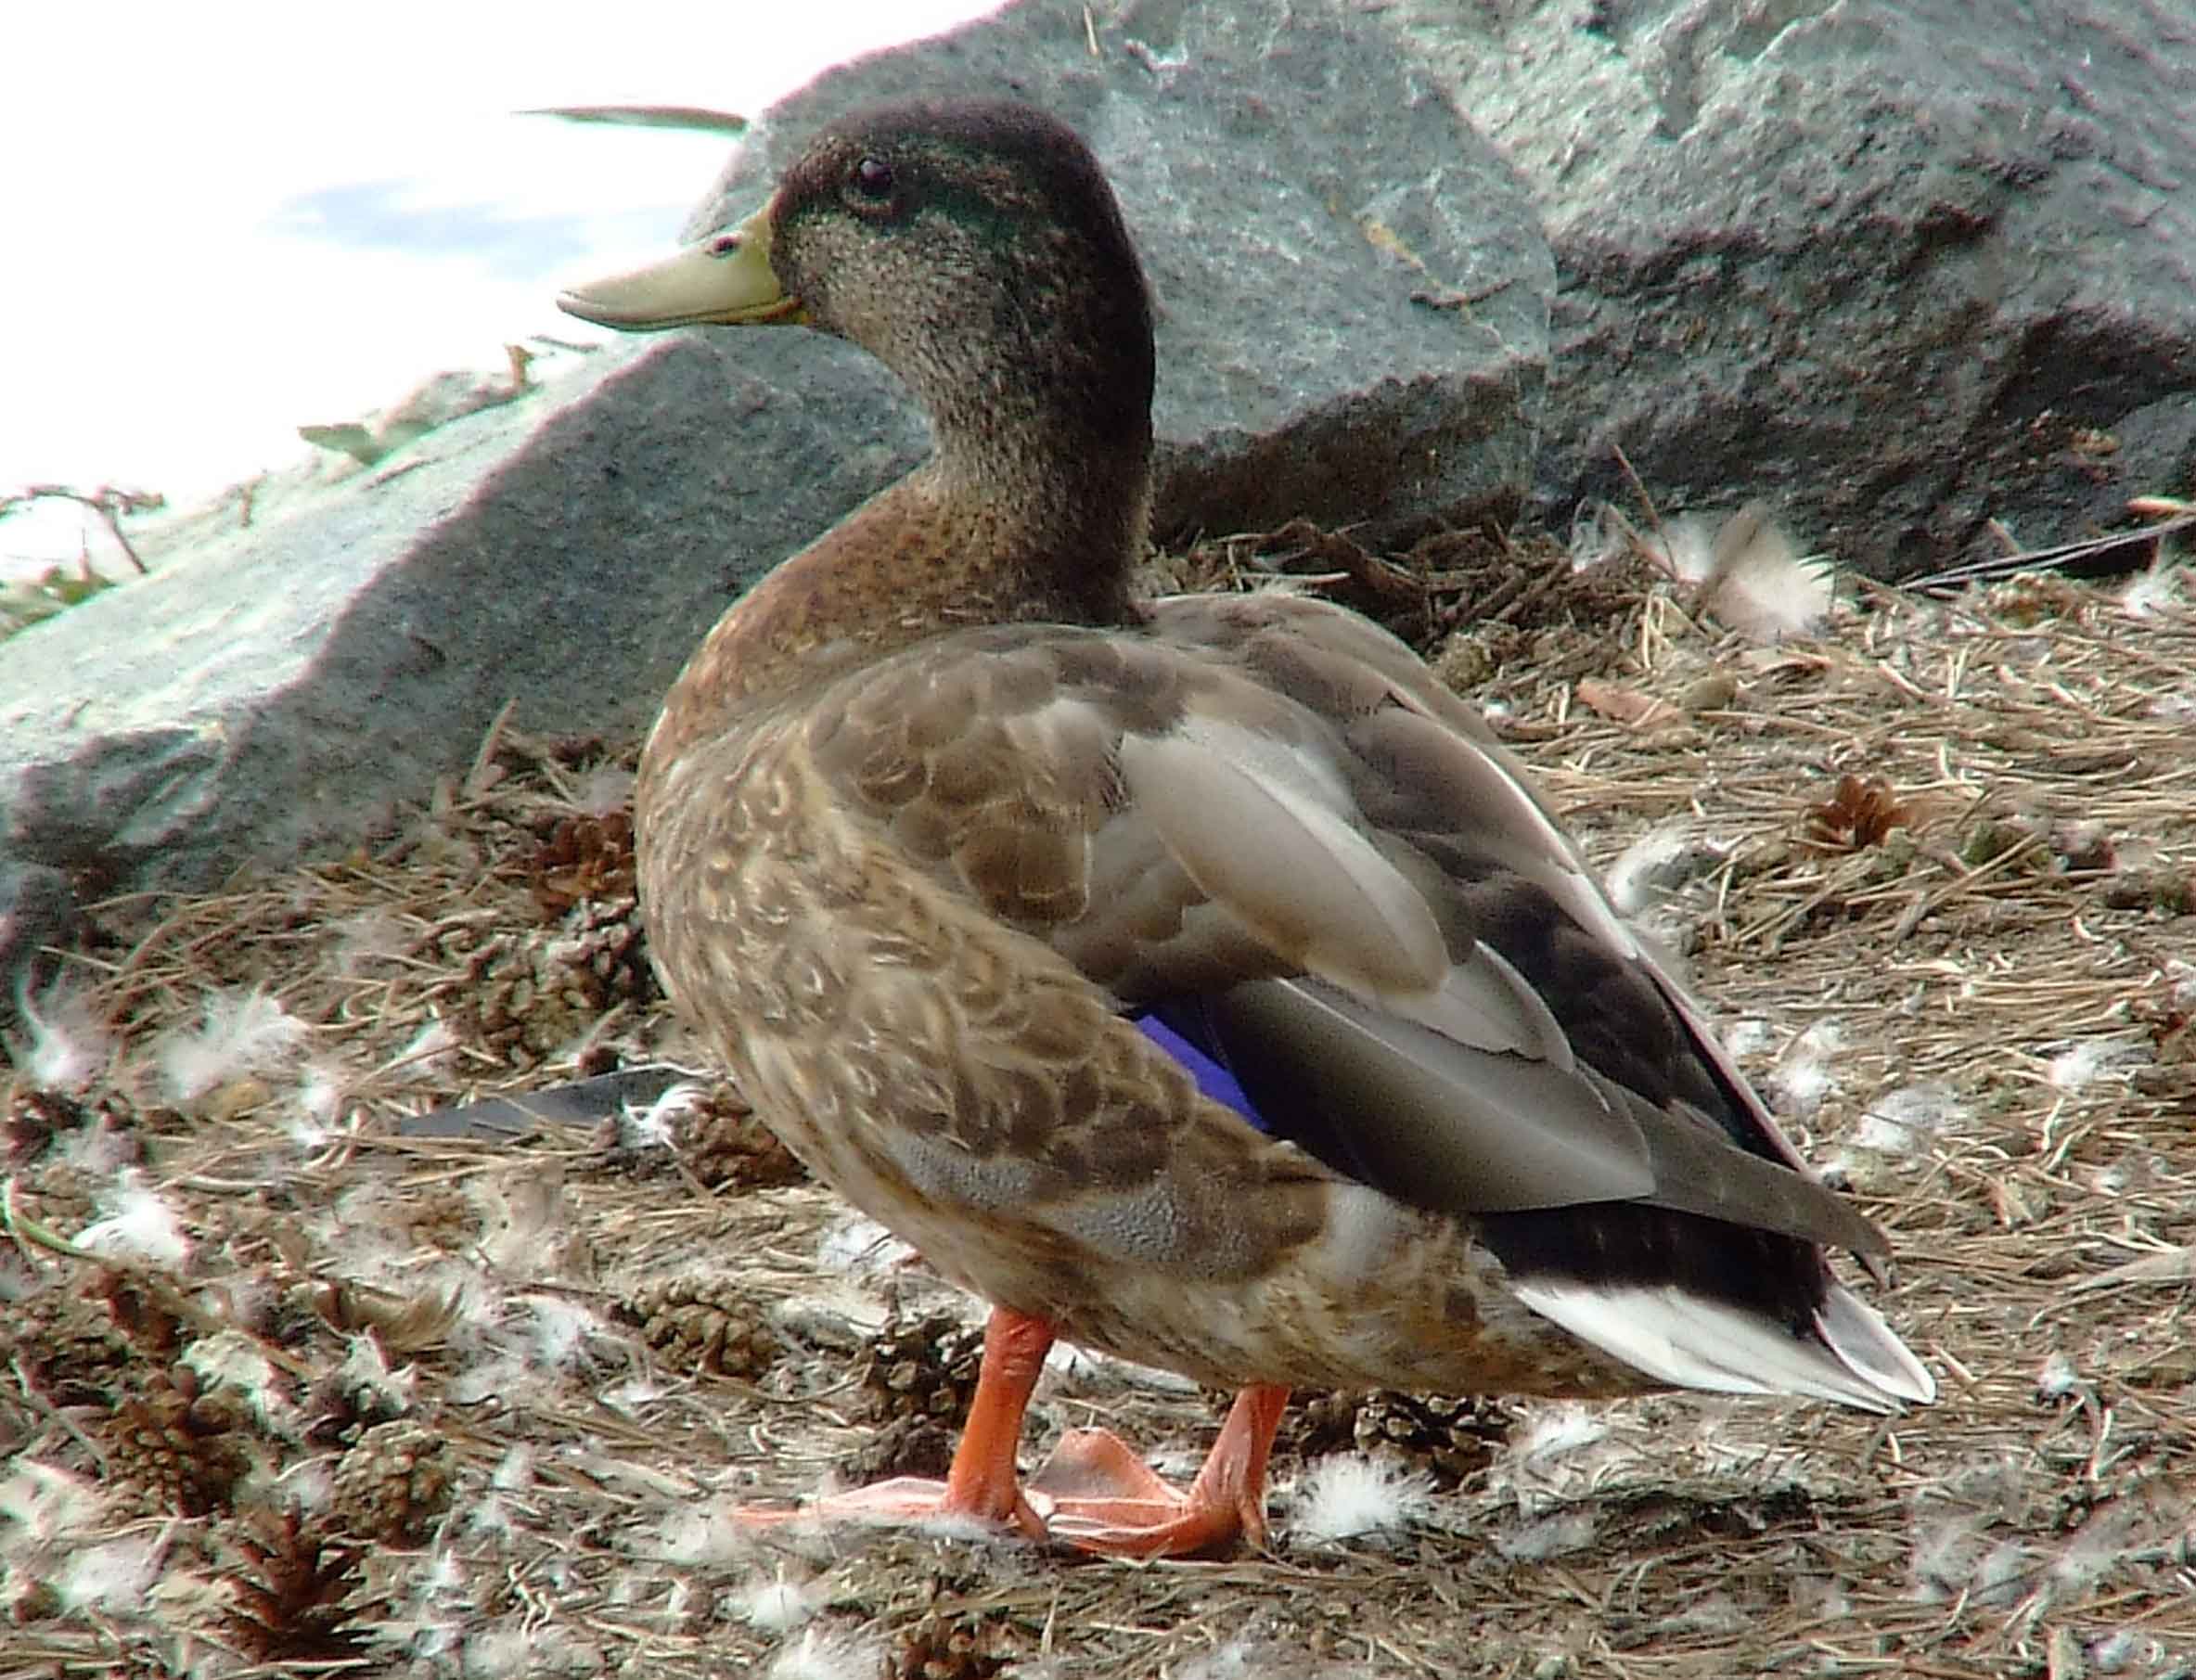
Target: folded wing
<point>1269,821</point>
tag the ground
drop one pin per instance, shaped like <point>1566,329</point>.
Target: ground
<point>294,1384</point>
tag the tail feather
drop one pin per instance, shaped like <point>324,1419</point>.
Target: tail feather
<point>1691,1341</point>
<point>1856,1332</point>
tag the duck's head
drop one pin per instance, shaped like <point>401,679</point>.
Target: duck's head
<point>974,248</point>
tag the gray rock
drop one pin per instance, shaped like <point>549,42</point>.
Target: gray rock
<point>1903,267</point>
<point>283,687</point>
<point>1353,287</point>
<point>37,914</point>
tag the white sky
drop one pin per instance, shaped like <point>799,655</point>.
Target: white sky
<point>225,219</point>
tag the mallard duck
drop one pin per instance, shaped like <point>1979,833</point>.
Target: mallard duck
<point>1195,978</point>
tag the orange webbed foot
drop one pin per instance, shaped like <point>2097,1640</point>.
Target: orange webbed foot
<point>1097,1495</point>
<point>1093,1495</point>
<point>983,1487</point>
<point>906,1501</point>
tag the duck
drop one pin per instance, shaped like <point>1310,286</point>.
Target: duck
<point>1194,979</point>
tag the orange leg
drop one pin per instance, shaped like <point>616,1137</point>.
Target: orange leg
<point>982,1485</point>
<point>1094,1493</point>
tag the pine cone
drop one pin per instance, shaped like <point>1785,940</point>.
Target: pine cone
<point>29,1122</point>
<point>532,994</point>
<point>70,1350</point>
<point>702,1323</point>
<point>393,1484</point>
<point>288,1590</point>
<point>720,1142</point>
<point>1450,1437</point>
<point>172,1449</point>
<point>139,1315</point>
<point>526,1003</point>
<point>924,1367</point>
<point>907,1447</point>
<point>60,1195</point>
<point>964,1649</point>
<point>1317,1426</point>
<point>583,857</point>
<point>605,939</point>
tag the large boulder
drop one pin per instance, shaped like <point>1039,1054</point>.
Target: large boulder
<point>283,684</point>
<point>1907,266</point>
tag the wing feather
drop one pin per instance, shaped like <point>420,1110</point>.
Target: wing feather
<point>1249,829</point>
<point>1273,806</point>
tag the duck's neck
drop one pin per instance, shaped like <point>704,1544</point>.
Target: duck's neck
<point>1049,523</point>
<point>982,534</point>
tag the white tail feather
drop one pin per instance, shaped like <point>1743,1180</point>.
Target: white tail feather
<point>1694,1342</point>
<point>1858,1335</point>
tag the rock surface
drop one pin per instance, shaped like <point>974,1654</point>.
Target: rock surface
<point>1903,266</point>
<point>280,686</point>
<point>1356,331</point>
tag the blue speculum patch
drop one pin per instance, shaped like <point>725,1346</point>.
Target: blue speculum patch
<point>1211,1076</point>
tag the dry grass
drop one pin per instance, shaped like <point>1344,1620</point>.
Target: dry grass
<point>330,1398</point>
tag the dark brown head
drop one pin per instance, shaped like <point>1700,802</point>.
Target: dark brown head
<point>974,248</point>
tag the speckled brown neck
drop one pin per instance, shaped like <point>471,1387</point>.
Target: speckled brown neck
<point>927,555</point>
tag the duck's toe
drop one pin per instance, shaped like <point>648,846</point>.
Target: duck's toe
<point>1096,1494</point>
<point>909,1501</point>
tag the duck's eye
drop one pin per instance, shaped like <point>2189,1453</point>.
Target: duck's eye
<point>872,178</point>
